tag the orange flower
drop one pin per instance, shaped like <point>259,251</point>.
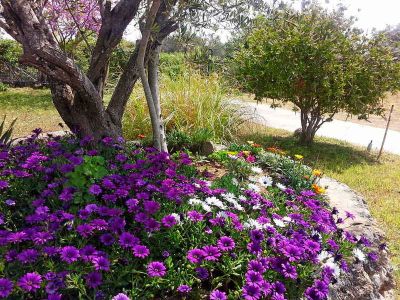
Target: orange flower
<point>141,136</point>
<point>318,189</point>
<point>257,145</point>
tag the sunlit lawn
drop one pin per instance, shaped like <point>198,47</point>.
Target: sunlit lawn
<point>378,182</point>
<point>32,107</point>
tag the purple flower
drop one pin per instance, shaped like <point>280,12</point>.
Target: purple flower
<point>6,287</point>
<point>95,189</point>
<point>128,240</point>
<point>218,295</point>
<point>93,279</point>
<point>254,278</point>
<point>30,282</point>
<point>254,248</point>
<point>256,236</point>
<point>251,292</point>
<point>196,256</point>
<point>318,291</point>
<point>169,221</point>
<point>202,273</point>
<point>121,296</point>
<point>184,289</point>
<point>141,251</point>
<point>151,207</point>
<point>10,202</point>
<point>256,266</point>
<point>69,254</point>
<point>3,184</point>
<point>107,239</point>
<point>195,216</point>
<point>156,269</point>
<point>101,263</point>
<point>28,256</point>
<point>226,243</point>
<point>289,271</point>
<point>373,256</point>
<point>211,253</point>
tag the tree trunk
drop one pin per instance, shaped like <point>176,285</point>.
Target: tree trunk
<point>310,123</point>
<point>76,115</point>
<point>152,71</point>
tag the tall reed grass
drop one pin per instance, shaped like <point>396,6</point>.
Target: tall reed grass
<point>192,103</point>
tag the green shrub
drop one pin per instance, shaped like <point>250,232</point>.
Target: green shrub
<point>192,104</point>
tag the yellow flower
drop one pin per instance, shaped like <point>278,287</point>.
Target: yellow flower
<point>250,143</point>
<point>299,157</point>
<point>232,153</point>
<point>317,173</point>
<point>318,189</point>
<point>247,153</point>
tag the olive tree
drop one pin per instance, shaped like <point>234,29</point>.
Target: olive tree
<point>43,26</point>
<point>316,60</point>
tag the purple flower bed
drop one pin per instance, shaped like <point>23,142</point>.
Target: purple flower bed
<point>118,222</point>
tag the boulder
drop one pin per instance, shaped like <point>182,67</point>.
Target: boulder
<point>366,280</point>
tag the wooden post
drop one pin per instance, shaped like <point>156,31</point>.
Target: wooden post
<point>386,131</point>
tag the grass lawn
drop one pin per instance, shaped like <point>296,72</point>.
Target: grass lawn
<point>379,182</point>
<point>33,108</point>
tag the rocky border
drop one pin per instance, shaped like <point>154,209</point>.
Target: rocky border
<point>368,280</point>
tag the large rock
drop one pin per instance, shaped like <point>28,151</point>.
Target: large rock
<point>368,280</point>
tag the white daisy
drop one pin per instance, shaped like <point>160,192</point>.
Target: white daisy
<point>206,207</point>
<point>281,186</point>
<point>359,254</point>
<point>253,187</point>
<point>195,201</point>
<point>214,201</point>
<point>256,170</point>
<point>279,223</point>
<point>177,217</point>
<point>235,181</point>
<point>324,255</point>
<point>331,264</point>
<point>265,181</point>
<point>222,214</point>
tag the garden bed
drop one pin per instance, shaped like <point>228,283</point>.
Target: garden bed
<point>113,220</point>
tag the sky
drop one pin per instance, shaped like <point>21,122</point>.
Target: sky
<point>370,14</point>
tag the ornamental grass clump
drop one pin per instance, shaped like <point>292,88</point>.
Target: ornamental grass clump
<point>81,220</point>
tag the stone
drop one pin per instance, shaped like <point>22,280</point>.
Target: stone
<point>368,280</point>
<point>208,148</point>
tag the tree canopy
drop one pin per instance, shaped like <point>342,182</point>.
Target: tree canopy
<point>318,61</point>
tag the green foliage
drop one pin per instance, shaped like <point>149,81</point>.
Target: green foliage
<point>10,52</point>
<point>6,134</point>
<point>316,60</point>
<point>172,65</point>
<point>192,104</point>
<point>93,168</point>
<point>3,87</point>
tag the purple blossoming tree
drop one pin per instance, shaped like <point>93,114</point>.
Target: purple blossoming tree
<point>40,27</point>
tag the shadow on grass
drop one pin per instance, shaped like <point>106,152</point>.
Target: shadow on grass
<point>327,154</point>
<point>26,98</point>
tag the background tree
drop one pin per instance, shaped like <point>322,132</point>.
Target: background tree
<point>316,60</point>
<point>78,95</point>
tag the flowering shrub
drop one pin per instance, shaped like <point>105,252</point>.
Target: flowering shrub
<point>112,221</point>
